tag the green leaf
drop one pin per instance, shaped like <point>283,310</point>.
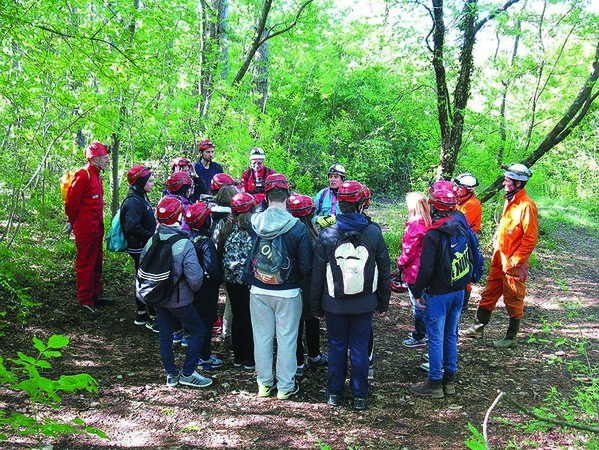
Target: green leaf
<point>39,345</point>
<point>58,341</point>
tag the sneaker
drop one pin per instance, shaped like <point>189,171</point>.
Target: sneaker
<point>359,404</point>
<point>211,363</point>
<point>371,372</point>
<point>185,341</point>
<point>264,390</point>
<point>237,363</point>
<point>172,380</point>
<point>104,300</point>
<point>249,365</point>
<point>300,371</point>
<point>177,337</point>
<point>141,319</point>
<point>425,357</point>
<point>152,325</point>
<point>414,343</point>
<point>282,395</point>
<point>334,400</point>
<point>194,380</point>
<point>428,388</point>
<point>320,360</point>
<point>90,311</point>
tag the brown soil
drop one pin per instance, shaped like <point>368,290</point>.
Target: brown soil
<point>137,410</point>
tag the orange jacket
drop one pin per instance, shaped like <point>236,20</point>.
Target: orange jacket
<point>518,232</point>
<point>473,211</point>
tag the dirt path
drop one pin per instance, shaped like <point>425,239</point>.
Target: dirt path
<point>137,411</point>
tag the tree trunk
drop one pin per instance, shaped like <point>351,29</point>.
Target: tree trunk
<point>114,169</point>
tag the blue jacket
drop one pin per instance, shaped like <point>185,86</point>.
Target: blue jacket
<point>320,298</point>
<point>296,242</point>
<point>324,203</point>
<point>204,177</point>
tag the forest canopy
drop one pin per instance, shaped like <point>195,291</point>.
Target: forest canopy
<point>389,89</point>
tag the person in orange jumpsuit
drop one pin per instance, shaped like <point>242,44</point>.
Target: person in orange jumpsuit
<point>514,241</point>
<point>470,206</point>
<point>84,209</point>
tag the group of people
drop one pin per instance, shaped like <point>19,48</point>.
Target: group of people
<point>286,260</point>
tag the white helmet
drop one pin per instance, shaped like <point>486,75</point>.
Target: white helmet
<point>466,180</point>
<point>517,172</point>
<point>257,153</point>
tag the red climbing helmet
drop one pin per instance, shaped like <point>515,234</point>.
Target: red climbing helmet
<point>366,196</point>
<point>181,162</point>
<point>300,205</point>
<point>397,284</point>
<point>137,172</point>
<point>177,180</point>
<point>95,149</point>
<point>276,180</point>
<point>168,210</point>
<point>242,202</point>
<point>351,191</point>
<point>196,214</point>
<point>205,145</point>
<point>443,195</point>
<point>221,180</point>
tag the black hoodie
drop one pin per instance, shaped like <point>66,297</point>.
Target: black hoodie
<point>428,279</point>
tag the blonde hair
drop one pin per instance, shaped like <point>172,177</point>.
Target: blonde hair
<point>418,208</point>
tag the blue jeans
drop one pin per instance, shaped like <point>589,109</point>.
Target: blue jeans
<point>189,318</point>
<point>442,316</point>
<point>419,332</point>
<point>348,332</point>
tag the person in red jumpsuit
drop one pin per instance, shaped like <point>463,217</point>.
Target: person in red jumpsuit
<point>254,177</point>
<point>84,209</point>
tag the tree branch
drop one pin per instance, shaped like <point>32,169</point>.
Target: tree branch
<point>494,14</point>
<point>292,25</point>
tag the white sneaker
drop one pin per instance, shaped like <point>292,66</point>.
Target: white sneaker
<point>194,380</point>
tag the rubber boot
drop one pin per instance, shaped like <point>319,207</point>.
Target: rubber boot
<point>477,330</point>
<point>510,339</point>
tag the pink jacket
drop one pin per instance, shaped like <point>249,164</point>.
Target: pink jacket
<point>409,260</point>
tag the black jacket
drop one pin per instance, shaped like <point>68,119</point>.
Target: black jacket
<point>320,300</point>
<point>137,219</point>
<point>428,279</point>
<point>206,251</point>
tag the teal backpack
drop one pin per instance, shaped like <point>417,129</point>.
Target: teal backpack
<point>115,239</point>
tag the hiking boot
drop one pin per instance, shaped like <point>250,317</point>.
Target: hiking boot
<point>477,330</point>
<point>177,337</point>
<point>414,343</point>
<point>320,360</point>
<point>428,388</point>
<point>152,325</point>
<point>90,311</point>
<point>264,390</point>
<point>449,384</point>
<point>510,340</point>
<point>282,395</point>
<point>334,400</point>
<point>359,404</point>
<point>141,319</point>
<point>172,380</point>
<point>104,300</point>
<point>194,380</point>
<point>299,372</point>
<point>211,363</point>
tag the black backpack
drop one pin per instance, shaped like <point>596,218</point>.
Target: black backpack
<point>270,262</point>
<point>455,268</point>
<point>154,284</point>
<point>351,271</point>
<point>476,258</point>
